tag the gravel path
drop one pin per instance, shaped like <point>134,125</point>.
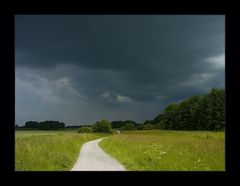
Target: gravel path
<point>93,158</point>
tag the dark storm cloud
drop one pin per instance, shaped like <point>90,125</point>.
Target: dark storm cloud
<point>116,42</point>
<point>119,61</point>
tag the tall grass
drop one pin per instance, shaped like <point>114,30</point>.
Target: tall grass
<point>48,151</point>
<point>168,150</point>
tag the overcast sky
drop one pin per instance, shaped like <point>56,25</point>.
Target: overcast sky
<point>82,68</point>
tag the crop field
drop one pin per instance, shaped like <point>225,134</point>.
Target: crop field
<point>46,151</point>
<point>159,150</point>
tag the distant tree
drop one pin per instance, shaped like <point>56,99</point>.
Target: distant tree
<point>85,130</point>
<point>119,124</point>
<point>31,124</point>
<point>51,125</point>
<point>128,126</point>
<point>162,125</point>
<point>102,126</point>
<point>140,127</point>
<point>157,119</point>
<point>211,111</point>
<point>148,126</point>
<point>186,115</point>
<point>45,125</point>
<point>156,126</point>
<point>170,113</point>
<point>73,127</point>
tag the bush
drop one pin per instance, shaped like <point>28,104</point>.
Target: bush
<point>85,130</point>
<point>102,126</point>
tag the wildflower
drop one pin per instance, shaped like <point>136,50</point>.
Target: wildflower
<point>161,153</point>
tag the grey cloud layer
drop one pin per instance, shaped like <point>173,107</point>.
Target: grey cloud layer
<point>132,60</point>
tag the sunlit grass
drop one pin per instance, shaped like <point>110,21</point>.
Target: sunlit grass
<point>46,151</point>
<point>168,150</point>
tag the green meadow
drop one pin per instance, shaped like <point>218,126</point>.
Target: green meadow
<point>149,150</point>
<point>163,150</point>
<point>48,151</point>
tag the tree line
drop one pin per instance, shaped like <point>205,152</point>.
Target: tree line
<point>202,112</point>
<point>44,125</point>
<point>199,112</point>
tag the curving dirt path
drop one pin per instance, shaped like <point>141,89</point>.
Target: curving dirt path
<point>93,158</point>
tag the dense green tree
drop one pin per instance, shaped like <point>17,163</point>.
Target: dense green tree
<point>169,116</point>
<point>206,112</point>
<point>186,115</point>
<point>157,119</point>
<point>102,126</point>
<point>162,125</point>
<point>212,110</point>
<point>117,124</point>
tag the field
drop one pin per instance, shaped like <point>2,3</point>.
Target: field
<point>46,151</point>
<point>154,150</point>
<point>168,150</point>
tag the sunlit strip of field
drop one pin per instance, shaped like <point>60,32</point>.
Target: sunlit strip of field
<point>168,150</point>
